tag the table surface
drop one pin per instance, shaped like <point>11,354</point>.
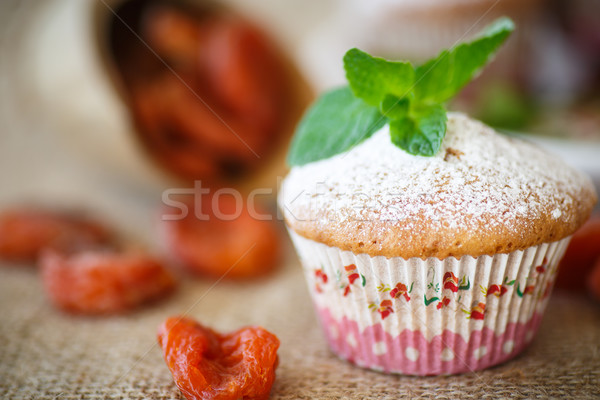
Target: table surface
<point>46,354</point>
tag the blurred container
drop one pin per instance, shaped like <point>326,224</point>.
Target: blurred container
<point>74,75</point>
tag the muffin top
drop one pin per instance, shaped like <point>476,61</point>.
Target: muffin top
<point>482,193</point>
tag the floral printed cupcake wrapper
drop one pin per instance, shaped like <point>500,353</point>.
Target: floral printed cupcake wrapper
<point>429,317</point>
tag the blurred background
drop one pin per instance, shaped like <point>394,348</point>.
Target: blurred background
<point>105,104</point>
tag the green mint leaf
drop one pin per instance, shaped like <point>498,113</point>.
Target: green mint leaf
<point>422,131</point>
<point>335,123</point>
<point>442,77</point>
<point>394,107</point>
<point>380,91</point>
<point>371,78</point>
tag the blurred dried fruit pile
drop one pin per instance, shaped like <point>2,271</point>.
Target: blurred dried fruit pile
<point>207,89</point>
<point>83,266</point>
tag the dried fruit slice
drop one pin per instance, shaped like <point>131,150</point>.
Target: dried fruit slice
<point>210,366</point>
<point>93,282</point>
<point>580,256</point>
<point>25,233</point>
<point>228,116</point>
<point>593,281</point>
<point>245,73</point>
<point>234,248</point>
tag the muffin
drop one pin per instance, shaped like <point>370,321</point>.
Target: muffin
<point>433,265</point>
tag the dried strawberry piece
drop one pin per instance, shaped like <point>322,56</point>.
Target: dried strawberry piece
<point>220,245</point>
<point>25,233</point>
<point>208,365</point>
<point>94,282</point>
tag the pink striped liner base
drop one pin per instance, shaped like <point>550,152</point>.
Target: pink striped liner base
<point>410,353</point>
<point>429,316</point>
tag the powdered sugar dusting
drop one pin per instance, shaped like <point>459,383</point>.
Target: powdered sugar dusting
<point>477,176</point>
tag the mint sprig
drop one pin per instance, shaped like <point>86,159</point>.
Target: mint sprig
<point>380,91</point>
<point>422,132</point>
<point>372,78</point>
<point>335,123</point>
<point>442,77</point>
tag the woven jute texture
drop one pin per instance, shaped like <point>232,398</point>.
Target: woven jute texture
<point>45,354</point>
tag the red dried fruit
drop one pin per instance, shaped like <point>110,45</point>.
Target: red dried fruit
<point>245,72</point>
<point>233,248</point>
<point>225,117</point>
<point>94,282</point>
<point>593,281</point>
<point>25,233</point>
<point>208,365</point>
<point>580,256</point>
<point>177,120</point>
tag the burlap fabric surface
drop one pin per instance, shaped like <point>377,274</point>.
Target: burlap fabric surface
<point>45,354</point>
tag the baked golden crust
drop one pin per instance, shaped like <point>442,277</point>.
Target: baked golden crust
<point>378,238</point>
<point>461,202</point>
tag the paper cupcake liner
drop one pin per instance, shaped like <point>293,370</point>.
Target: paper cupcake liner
<point>429,317</point>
